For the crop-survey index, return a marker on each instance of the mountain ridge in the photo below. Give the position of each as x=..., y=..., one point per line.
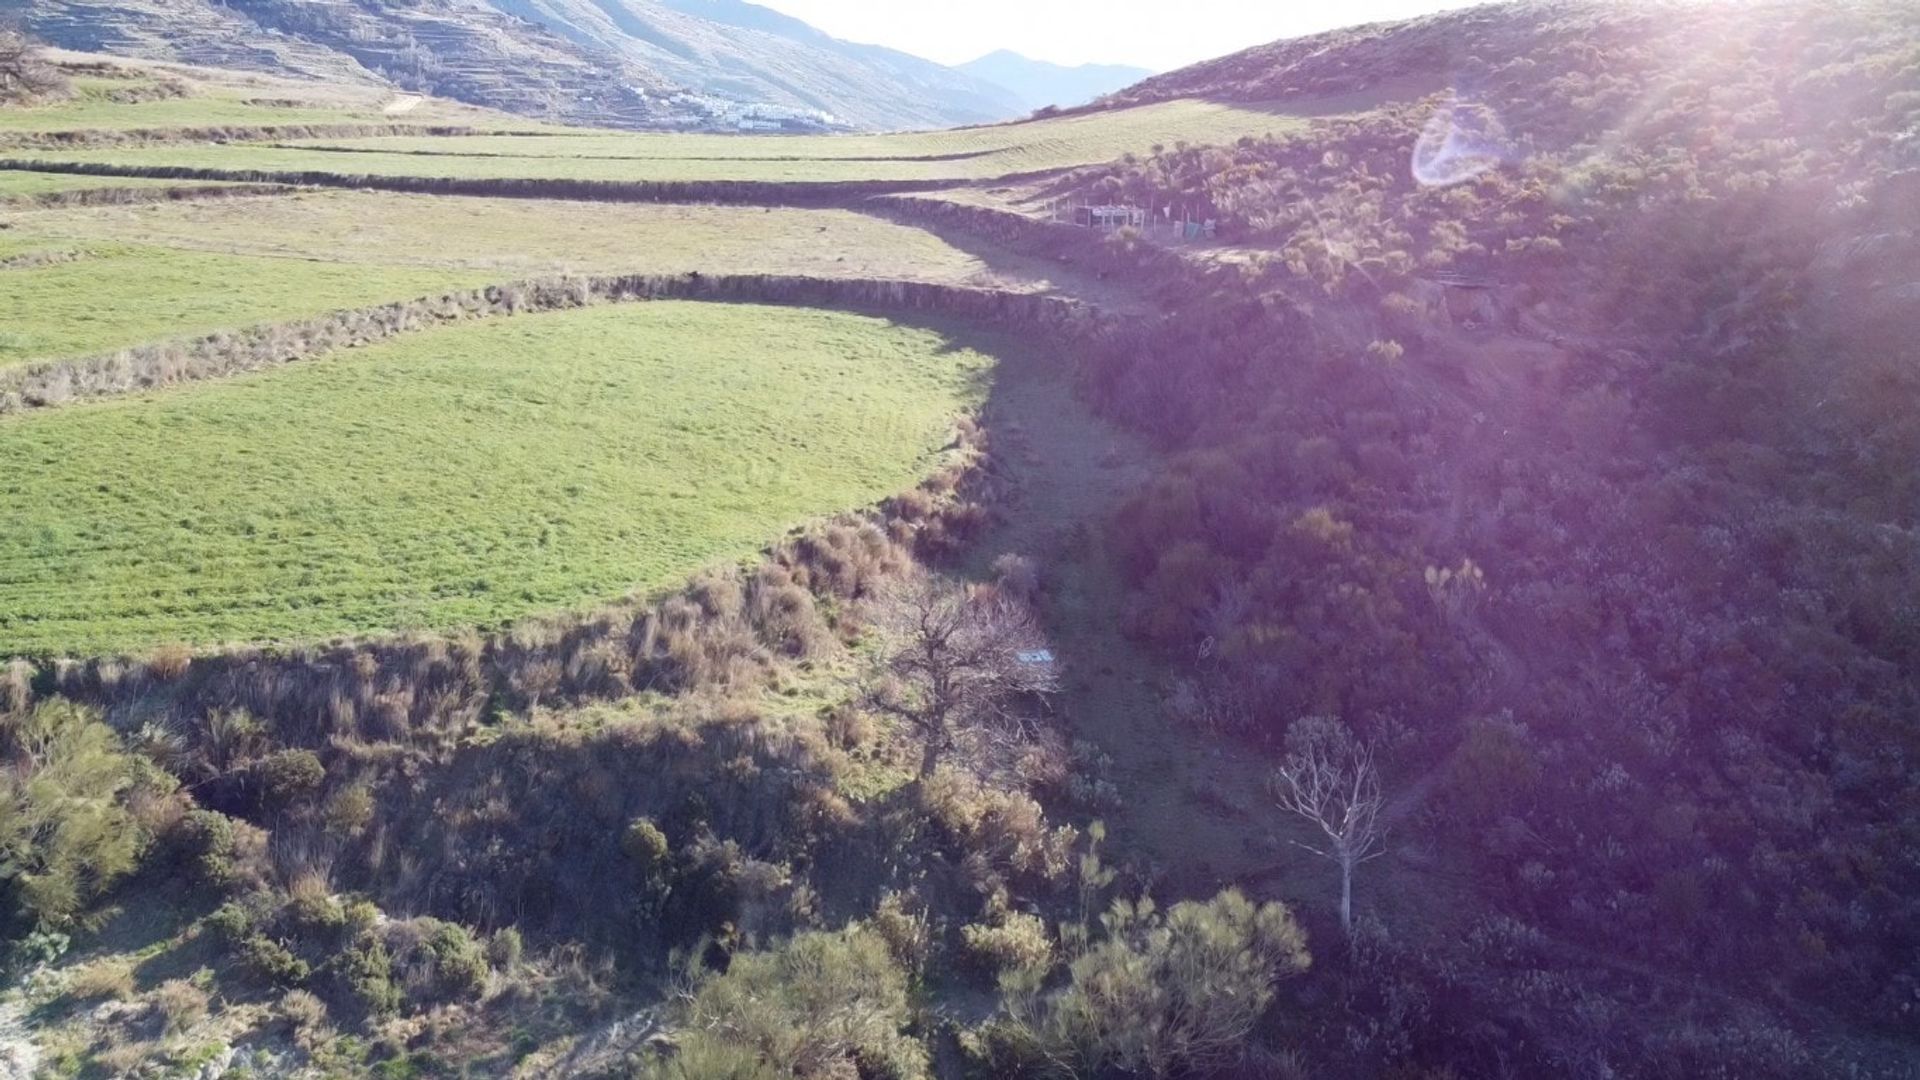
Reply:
x=1040, y=83
x=686, y=64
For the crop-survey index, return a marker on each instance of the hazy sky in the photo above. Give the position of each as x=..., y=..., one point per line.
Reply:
x=1156, y=35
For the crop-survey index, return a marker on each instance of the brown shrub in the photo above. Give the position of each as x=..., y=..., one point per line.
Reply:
x=306, y=1014
x=109, y=978
x=169, y=662
x=849, y=728
x=784, y=614
x=16, y=688
x=180, y=1004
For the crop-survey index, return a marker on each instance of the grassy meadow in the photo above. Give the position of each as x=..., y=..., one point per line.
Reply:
x=17, y=184
x=92, y=107
x=958, y=155
x=140, y=96
x=116, y=295
x=517, y=238
x=463, y=476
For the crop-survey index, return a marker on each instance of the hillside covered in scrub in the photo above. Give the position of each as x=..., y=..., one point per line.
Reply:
x=481, y=598
x=1581, y=483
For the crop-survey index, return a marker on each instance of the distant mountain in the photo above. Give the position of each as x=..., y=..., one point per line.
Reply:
x=632, y=63
x=752, y=53
x=1038, y=84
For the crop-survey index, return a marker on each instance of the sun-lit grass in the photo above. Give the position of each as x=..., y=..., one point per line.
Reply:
x=518, y=238
x=464, y=476
x=122, y=295
x=214, y=99
x=90, y=108
x=983, y=153
x=1070, y=138
x=23, y=185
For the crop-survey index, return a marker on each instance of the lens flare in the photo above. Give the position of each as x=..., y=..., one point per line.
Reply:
x=1462, y=140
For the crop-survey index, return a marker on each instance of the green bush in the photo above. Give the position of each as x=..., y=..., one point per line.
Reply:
x=363, y=974
x=204, y=843
x=1161, y=994
x=1019, y=943
x=459, y=962
x=316, y=913
x=504, y=950
x=349, y=810
x=646, y=845
x=272, y=961
x=821, y=1005
x=66, y=834
x=288, y=777
x=232, y=922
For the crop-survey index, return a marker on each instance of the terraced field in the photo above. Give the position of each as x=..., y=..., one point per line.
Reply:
x=97, y=297
x=463, y=476
x=469, y=475
x=958, y=155
x=15, y=184
x=516, y=238
x=151, y=97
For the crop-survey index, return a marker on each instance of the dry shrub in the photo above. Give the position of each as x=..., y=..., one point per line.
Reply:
x=306, y=1014
x=169, y=662
x=599, y=667
x=845, y=560
x=902, y=921
x=784, y=614
x=1006, y=829
x=912, y=506
x=849, y=728
x=303, y=861
x=1018, y=942
x=180, y=1004
x=109, y=978
x=1018, y=577
x=16, y=688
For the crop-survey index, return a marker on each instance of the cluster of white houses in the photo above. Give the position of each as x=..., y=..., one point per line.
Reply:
x=705, y=112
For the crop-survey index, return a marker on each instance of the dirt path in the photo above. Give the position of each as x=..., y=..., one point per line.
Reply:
x=1193, y=807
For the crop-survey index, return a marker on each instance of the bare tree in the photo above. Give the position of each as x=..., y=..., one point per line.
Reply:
x=951, y=656
x=1329, y=779
x=24, y=70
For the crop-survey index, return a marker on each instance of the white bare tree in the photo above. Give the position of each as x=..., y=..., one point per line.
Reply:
x=951, y=656
x=1329, y=778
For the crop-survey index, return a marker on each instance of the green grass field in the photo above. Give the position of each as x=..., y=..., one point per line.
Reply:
x=517, y=238
x=25, y=185
x=464, y=476
x=983, y=153
x=220, y=99
x=122, y=295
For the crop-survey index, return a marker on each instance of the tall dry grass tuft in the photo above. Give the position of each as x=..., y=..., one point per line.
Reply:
x=169, y=662
x=16, y=688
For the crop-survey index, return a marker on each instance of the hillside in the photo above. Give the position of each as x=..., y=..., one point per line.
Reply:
x=1569, y=464
x=1038, y=84
x=631, y=63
